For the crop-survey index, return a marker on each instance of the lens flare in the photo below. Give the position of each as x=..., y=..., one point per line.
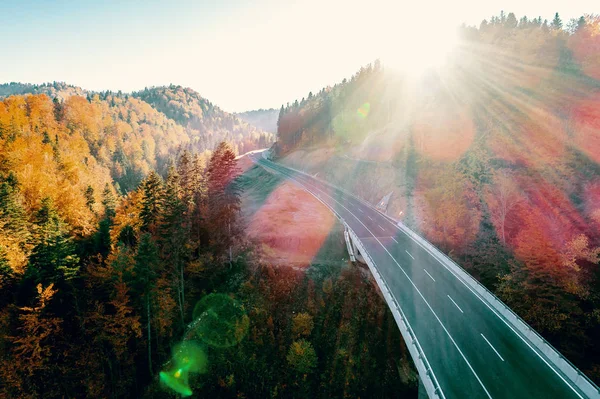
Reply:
x=222, y=321
x=363, y=111
x=188, y=357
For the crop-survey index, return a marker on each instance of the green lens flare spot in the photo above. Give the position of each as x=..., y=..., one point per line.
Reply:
x=189, y=356
x=364, y=110
x=177, y=381
x=221, y=321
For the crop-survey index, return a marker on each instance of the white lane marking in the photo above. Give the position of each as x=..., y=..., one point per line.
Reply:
x=394, y=240
x=469, y=288
x=409, y=254
x=429, y=275
x=369, y=217
x=415, y=338
x=420, y=294
x=486, y=340
x=381, y=228
x=500, y=317
x=455, y=304
x=360, y=210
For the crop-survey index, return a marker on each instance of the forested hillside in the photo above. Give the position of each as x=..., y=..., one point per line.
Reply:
x=123, y=133
x=122, y=257
x=205, y=123
x=53, y=90
x=495, y=158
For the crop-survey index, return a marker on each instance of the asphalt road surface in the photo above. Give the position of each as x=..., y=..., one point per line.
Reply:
x=472, y=351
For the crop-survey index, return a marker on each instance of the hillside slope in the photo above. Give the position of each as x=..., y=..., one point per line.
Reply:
x=58, y=90
x=206, y=124
x=495, y=158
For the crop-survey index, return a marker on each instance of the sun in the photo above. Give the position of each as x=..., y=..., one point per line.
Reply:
x=420, y=52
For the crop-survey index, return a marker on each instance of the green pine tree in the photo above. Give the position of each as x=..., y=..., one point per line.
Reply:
x=13, y=218
x=556, y=22
x=53, y=258
x=175, y=230
x=109, y=202
x=146, y=272
x=90, y=201
x=152, y=188
x=6, y=272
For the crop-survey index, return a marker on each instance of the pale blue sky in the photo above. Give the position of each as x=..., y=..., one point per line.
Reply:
x=239, y=54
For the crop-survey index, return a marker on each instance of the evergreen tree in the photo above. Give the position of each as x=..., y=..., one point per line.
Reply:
x=102, y=238
x=280, y=117
x=46, y=138
x=109, y=202
x=59, y=110
x=580, y=23
x=198, y=208
x=56, y=149
x=223, y=197
x=6, y=273
x=174, y=235
x=128, y=237
x=511, y=21
x=185, y=176
x=146, y=272
x=90, y=201
x=152, y=188
x=13, y=219
x=53, y=258
x=523, y=23
x=556, y=22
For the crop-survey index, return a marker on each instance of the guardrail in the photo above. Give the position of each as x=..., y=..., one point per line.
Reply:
x=430, y=383
x=414, y=347
x=565, y=368
x=569, y=370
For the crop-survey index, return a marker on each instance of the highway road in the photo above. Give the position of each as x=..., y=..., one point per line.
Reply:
x=473, y=352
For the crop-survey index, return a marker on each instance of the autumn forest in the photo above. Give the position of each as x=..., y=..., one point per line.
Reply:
x=121, y=235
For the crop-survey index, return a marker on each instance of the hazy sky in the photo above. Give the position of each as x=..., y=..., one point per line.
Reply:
x=241, y=55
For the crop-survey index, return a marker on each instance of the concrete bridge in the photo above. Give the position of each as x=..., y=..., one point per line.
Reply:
x=464, y=341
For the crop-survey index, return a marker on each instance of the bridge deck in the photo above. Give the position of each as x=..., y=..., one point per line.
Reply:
x=473, y=352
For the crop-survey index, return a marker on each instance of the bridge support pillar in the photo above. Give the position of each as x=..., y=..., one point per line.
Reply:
x=357, y=255
x=422, y=391
x=351, y=249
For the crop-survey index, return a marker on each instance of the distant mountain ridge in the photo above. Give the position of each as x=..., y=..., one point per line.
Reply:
x=59, y=90
x=204, y=120
x=205, y=123
x=265, y=119
x=128, y=134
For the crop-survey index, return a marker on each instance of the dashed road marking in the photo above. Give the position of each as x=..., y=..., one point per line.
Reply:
x=429, y=275
x=455, y=304
x=486, y=340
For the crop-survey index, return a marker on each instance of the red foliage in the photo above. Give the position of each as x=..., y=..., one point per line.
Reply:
x=586, y=118
x=543, y=226
x=535, y=141
x=585, y=45
x=448, y=209
x=592, y=204
x=443, y=136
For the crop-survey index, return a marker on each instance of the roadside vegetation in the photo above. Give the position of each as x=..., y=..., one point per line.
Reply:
x=494, y=158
